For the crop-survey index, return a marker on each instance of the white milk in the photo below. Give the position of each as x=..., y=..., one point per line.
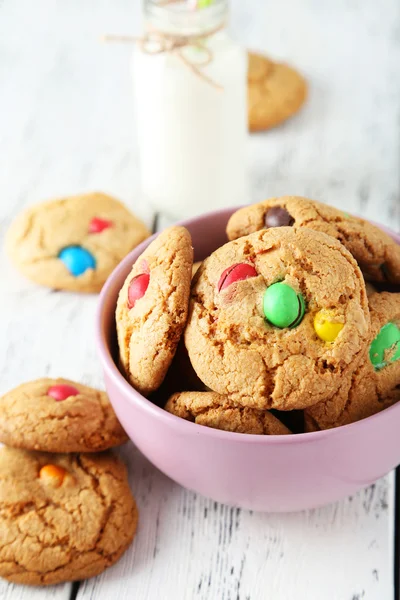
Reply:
x=191, y=135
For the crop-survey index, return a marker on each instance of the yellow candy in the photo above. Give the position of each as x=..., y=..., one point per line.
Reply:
x=326, y=328
x=52, y=474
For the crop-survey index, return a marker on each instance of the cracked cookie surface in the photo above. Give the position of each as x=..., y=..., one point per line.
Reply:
x=98, y=227
x=59, y=415
x=236, y=352
x=370, y=389
x=63, y=517
x=212, y=410
x=275, y=92
x=152, y=308
x=377, y=254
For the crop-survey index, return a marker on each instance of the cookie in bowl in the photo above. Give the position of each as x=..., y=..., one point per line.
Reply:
x=376, y=252
x=278, y=319
x=212, y=410
x=375, y=384
x=152, y=308
x=73, y=243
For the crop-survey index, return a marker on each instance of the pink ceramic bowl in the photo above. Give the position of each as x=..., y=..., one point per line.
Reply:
x=263, y=473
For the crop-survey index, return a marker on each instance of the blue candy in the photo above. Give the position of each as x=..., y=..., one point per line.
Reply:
x=77, y=260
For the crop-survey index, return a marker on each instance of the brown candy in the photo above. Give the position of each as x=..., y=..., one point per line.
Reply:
x=277, y=216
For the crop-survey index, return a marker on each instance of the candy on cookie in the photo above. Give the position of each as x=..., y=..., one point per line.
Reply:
x=254, y=305
x=375, y=383
x=74, y=243
x=213, y=410
x=63, y=517
x=152, y=308
x=376, y=253
x=58, y=415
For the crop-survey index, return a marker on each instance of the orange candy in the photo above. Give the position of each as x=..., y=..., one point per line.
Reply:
x=52, y=474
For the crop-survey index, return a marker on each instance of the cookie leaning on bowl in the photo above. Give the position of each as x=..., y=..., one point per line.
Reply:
x=63, y=517
x=212, y=410
x=256, y=330
x=59, y=415
x=73, y=243
x=376, y=253
x=375, y=384
x=152, y=308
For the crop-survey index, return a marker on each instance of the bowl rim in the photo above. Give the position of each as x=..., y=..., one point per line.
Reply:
x=143, y=403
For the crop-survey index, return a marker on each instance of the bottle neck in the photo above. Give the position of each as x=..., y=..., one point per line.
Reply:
x=182, y=18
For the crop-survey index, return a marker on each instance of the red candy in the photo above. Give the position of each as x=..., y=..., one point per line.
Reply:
x=235, y=273
x=137, y=288
x=98, y=225
x=62, y=392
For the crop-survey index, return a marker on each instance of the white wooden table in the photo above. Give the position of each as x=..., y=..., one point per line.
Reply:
x=65, y=127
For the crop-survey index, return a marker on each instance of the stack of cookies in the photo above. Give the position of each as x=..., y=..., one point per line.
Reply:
x=66, y=510
x=276, y=332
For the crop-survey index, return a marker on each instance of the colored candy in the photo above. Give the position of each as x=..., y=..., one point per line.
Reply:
x=97, y=225
x=234, y=273
x=62, y=391
x=325, y=325
x=52, y=474
x=283, y=307
x=137, y=288
x=385, y=348
x=278, y=217
x=77, y=260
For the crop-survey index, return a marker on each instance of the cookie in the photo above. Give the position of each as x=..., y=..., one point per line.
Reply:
x=375, y=384
x=59, y=415
x=73, y=243
x=152, y=308
x=275, y=92
x=212, y=410
x=376, y=253
x=277, y=319
x=63, y=517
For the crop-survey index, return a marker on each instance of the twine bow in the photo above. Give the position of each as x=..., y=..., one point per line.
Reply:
x=158, y=42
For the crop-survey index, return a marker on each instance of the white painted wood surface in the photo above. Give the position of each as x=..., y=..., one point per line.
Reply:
x=66, y=126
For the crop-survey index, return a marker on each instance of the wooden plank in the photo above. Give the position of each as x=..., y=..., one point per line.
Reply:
x=188, y=546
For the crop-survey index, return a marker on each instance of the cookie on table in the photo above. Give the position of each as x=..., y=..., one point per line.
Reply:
x=376, y=253
x=74, y=243
x=375, y=385
x=212, y=410
x=63, y=517
x=152, y=308
x=59, y=415
x=275, y=92
x=277, y=319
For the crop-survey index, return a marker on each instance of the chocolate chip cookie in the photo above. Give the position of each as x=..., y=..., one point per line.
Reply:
x=63, y=517
x=152, y=308
x=376, y=253
x=74, y=243
x=278, y=319
x=59, y=415
x=212, y=410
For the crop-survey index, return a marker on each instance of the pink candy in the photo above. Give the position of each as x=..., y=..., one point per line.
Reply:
x=235, y=273
x=62, y=391
x=137, y=288
x=97, y=225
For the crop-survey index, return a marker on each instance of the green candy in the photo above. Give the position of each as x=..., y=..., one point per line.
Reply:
x=283, y=307
x=204, y=3
x=387, y=340
x=346, y=215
